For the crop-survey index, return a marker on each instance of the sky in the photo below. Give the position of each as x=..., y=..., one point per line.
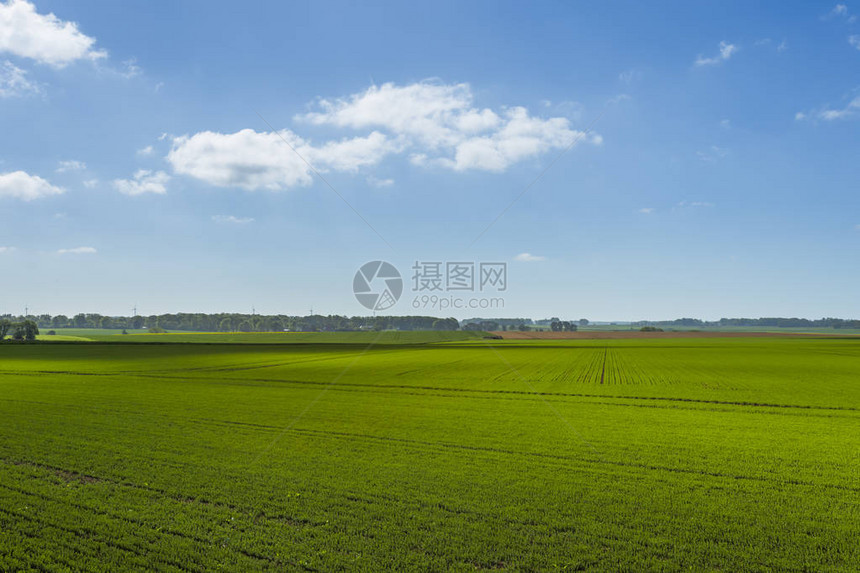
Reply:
x=624, y=160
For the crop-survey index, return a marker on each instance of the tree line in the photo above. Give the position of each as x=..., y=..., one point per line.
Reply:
x=22, y=326
x=23, y=331
x=767, y=322
x=237, y=322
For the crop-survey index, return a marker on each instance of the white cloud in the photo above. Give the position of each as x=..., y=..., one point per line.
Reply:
x=144, y=181
x=617, y=99
x=434, y=114
x=21, y=185
x=520, y=137
x=443, y=127
x=695, y=204
x=854, y=41
x=832, y=114
x=781, y=47
x=349, y=154
x=91, y=183
x=253, y=160
x=437, y=124
x=725, y=124
x=629, y=76
x=529, y=258
x=130, y=69
x=245, y=159
x=726, y=52
x=77, y=251
x=6, y=249
x=70, y=165
x=646, y=210
x=43, y=37
x=14, y=82
x=840, y=11
x=232, y=219
x=379, y=183
x=713, y=154
x=146, y=150
x=850, y=111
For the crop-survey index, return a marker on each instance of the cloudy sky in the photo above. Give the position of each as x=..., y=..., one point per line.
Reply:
x=626, y=161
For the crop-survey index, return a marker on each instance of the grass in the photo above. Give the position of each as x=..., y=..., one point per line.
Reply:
x=670, y=455
x=88, y=332
x=362, y=337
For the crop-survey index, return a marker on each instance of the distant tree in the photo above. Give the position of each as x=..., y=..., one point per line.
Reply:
x=124, y=331
x=51, y=333
x=25, y=331
x=137, y=322
x=31, y=330
x=226, y=325
x=5, y=325
x=583, y=322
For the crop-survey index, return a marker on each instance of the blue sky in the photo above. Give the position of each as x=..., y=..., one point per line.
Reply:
x=146, y=155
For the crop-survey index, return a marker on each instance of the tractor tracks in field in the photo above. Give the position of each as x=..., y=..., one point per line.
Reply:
x=461, y=391
x=568, y=461
x=141, y=523
x=603, y=365
x=443, y=391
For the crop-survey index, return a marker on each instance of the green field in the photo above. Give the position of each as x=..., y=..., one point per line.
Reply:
x=412, y=453
x=87, y=332
x=357, y=337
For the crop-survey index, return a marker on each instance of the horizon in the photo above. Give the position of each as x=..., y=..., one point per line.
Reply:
x=621, y=164
x=532, y=319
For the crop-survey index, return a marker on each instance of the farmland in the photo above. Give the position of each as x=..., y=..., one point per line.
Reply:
x=436, y=451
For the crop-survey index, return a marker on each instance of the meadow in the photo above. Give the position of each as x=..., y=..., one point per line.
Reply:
x=406, y=451
x=354, y=337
